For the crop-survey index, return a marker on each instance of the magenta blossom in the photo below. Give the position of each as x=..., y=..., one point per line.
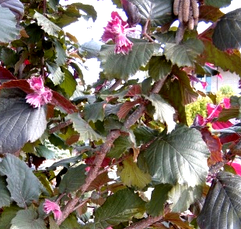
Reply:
x=116, y=30
x=41, y=94
x=50, y=206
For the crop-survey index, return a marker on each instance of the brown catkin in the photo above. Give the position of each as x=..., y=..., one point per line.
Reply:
x=195, y=9
x=180, y=18
x=191, y=23
x=185, y=10
x=176, y=7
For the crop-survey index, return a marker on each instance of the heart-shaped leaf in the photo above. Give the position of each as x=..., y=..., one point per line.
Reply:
x=223, y=203
x=23, y=185
x=170, y=162
x=227, y=33
x=19, y=121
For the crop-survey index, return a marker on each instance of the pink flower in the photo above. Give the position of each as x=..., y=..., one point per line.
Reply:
x=50, y=206
x=41, y=94
x=36, y=83
x=116, y=30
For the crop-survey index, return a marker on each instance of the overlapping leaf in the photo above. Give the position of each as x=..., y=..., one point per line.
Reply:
x=170, y=162
x=95, y=111
x=223, y=203
x=19, y=121
x=182, y=196
x=183, y=54
x=5, y=198
x=227, y=33
x=27, y=219
x=159, y=67
x=218, y=4
x=8, y=28
x=48, y=26
x=122, y=66
x=73, y=179
x=155, y=11
x=83, y=128
x=120, y=207
x=163, y=111
x=221, y=59
x=132, y=176
x=23, y=185
x=7, y=215
x=158, y=200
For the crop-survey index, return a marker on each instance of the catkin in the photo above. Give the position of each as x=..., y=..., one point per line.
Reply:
x=176, y=4
x=187, y=12
x=195, y=9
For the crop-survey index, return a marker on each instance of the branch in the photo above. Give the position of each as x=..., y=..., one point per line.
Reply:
x=158, y=85
x=71, y=205
x=134, y=116
x=145, y=223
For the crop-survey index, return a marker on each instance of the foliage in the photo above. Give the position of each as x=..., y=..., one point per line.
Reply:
x=142, y=153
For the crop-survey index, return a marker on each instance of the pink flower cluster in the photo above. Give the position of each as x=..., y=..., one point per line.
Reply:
x=41, y=94
x=116, y=30
x=50, y=206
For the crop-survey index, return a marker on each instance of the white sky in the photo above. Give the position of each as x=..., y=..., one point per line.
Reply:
x=85, y=31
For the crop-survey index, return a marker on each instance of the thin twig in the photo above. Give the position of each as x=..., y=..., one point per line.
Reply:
x=60, y=126
x=145, y=223
x=92, y=174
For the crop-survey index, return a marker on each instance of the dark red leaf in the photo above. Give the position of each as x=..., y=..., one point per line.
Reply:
x=132, y=13
x=134, y=90
x=21, y=84
x=6, y=75
x=61, y=101
x=126, y=107
x=214, y=145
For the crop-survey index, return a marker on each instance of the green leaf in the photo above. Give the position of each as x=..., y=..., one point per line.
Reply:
x=183, y=54
x=45, y=152
x=69, y=83
x=227, y=32
x=218, y=4
x=27, y=219
x=5, y=198
x=73, y=179
x=122, y=66
x=8, y=25
x=83, y=128
x=8, y=56
x=60, y=53
x=23, y=185
x=158, y=12
x=158, y=200
x=228, y=62
x=88, y=9
x=120, y=146
x=210, y=13
x=223, y=203
x=48, y=26
x=163, y=111
x=65, y=162
x=179, y=157
x=7, y=215
x=144, y=134
x=182, y=196
x=132, y=176
x=159, y=67
x=120, y=207
x=57, y=76
x=19, y=121
x=70, y=223
x=94, y=111
x=53, y=224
